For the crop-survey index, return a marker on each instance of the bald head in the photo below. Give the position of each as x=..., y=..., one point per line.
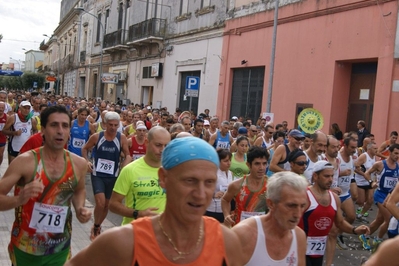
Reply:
x=156, y=131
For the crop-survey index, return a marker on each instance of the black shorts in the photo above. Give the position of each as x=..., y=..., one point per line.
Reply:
x=103, y=185
x=310, y=261
x=11, y=151
x=365, y=187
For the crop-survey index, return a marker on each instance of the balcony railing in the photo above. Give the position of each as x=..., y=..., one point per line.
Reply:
x=115, y=38
x=154, y=27
x=43, y=46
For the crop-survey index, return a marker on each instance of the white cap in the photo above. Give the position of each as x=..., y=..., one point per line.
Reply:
x=25, y=103
x=234, y=118
x=206, y=123
x=140, y=125
x=322, y=165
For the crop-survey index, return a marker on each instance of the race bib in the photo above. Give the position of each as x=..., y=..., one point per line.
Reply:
x=222, y=145
x=344, y=181
x=105, y=166
x=48, y=218
x=246, y=215
x=390, y=182
x=24, y=129
x=2, y=126
x=78, y=143
x=316, y=245
x=223, y=188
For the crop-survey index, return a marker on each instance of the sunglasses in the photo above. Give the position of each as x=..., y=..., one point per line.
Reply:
x=254, y=131
x=298, y=139
x=301, y=163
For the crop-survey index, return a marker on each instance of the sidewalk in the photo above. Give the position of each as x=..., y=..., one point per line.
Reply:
x=80, y=232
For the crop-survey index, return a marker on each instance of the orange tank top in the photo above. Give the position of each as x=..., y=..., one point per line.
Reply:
x=147, y=252
x=43, y=225
x=250, y=203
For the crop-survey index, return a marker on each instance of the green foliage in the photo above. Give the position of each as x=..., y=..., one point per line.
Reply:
x=22, y=83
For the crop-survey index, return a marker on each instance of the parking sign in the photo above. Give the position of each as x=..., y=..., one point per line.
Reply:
x=192, y=86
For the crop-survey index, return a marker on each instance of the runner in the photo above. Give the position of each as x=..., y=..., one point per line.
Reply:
x=383, y=150
x=137, y=143
x=137, y=183
x=222, y=139
x=248, y=192
x=286, y=198
x=47, y=180
x=3, y=137
x=181, y=234
x=322, y=210
x=313, y=153
x=80, y=132
x=108, y=146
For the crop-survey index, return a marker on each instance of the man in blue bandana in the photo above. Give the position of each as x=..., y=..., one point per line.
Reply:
x=181, y=234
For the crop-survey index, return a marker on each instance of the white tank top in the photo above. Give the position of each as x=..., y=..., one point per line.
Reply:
x=309, y=167
x=360, y=180
x=261, y=256
x=26, y=130
x=344, y=182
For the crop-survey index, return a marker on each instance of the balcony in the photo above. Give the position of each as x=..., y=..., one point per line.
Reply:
x=152, y=30
x=43, y=46
x=115, y=40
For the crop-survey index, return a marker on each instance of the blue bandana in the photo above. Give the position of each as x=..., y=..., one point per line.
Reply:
x=182, y=150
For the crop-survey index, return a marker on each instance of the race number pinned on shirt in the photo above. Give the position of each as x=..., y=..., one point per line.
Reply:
x=48, y=218
x=245, y=215
x=105, y=166
x=223, y=188
x=223, y=145
x=316, y=245
x=390, y=182
x=78, y=143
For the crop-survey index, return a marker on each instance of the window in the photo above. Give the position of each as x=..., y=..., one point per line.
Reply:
x=205, y=3
x=147, y=72
x=106, y=19
x=98, y=28
x=120, y=16
x=183, y=7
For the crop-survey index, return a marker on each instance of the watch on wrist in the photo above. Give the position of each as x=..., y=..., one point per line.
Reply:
x=135, y=214
x=353, y=230
x=370, y=181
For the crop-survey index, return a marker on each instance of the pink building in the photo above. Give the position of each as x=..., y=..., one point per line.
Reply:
x=337, y=56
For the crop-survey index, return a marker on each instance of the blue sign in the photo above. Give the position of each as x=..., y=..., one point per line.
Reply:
x=192, y=86
x=35, y=84
x=15, y=73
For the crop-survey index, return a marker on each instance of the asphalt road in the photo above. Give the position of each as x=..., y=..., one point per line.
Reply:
x=342, y=257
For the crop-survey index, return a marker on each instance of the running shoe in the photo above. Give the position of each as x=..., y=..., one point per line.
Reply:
x=365, y=242
x=359, y=210
x=363, y=260
x=376, y=244
x=366, y=214
x=340, y=243
x=95, y=231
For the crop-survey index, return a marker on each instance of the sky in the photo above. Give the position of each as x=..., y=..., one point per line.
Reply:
x=23, y=23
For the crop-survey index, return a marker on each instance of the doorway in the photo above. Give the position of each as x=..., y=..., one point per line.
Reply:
x=82, y=83
x=146, y=98
x=184, y=102
x=361, y=95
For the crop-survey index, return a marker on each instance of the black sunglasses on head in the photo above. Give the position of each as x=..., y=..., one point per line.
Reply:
x=301, y=163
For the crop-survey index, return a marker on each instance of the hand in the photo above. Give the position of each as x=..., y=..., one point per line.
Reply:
x=219, y=195
x=362, y=229
x=30, y=190
x=346, y=172
x=374, y=184
x=228, y=221
x=336, y=190
x=89, y=167
x=83, y=214
x=18, y=132
x=148, y=212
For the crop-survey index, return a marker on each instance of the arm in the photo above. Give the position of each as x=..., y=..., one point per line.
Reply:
x=233, y=147
x=88, y=146
x=79, y=195
x=112, y=244
x=232, y=190
x=346, y=227
x=233, y=247
x=301, y=244
x=377, y=167
x=381, y=149
x=212, y=139
x=125, y=150
x=258, y=142
x=391, y=202
x=126, y=130
x=386, y=254
x=7, y=127
x=20, y=168
x=361, y=160
x=34, y=125
x=277, y=157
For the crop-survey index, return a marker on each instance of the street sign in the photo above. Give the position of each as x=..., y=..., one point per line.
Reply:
x=51, y=79
x=14, y=73
x=35, y=85
x=192, y=86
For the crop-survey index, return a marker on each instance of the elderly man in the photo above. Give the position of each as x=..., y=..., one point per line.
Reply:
x=286, y=198
x=108, y=146
x=181, y=234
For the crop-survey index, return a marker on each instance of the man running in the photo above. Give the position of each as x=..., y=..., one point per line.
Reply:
x=47, y=180
x=313, y=153
x=137, y=183
x=80, y=132
x=137, y=143
x=108, y=146
x=286, y=198
x=3, y=137
x=280, y=157
x=181, y=234
x=249, y=191
x=222, y=139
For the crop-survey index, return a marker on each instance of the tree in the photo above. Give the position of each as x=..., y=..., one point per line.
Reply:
x=28, y=79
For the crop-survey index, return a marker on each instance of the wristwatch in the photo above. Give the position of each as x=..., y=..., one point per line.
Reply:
x=135, y=214
x=370, y=181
